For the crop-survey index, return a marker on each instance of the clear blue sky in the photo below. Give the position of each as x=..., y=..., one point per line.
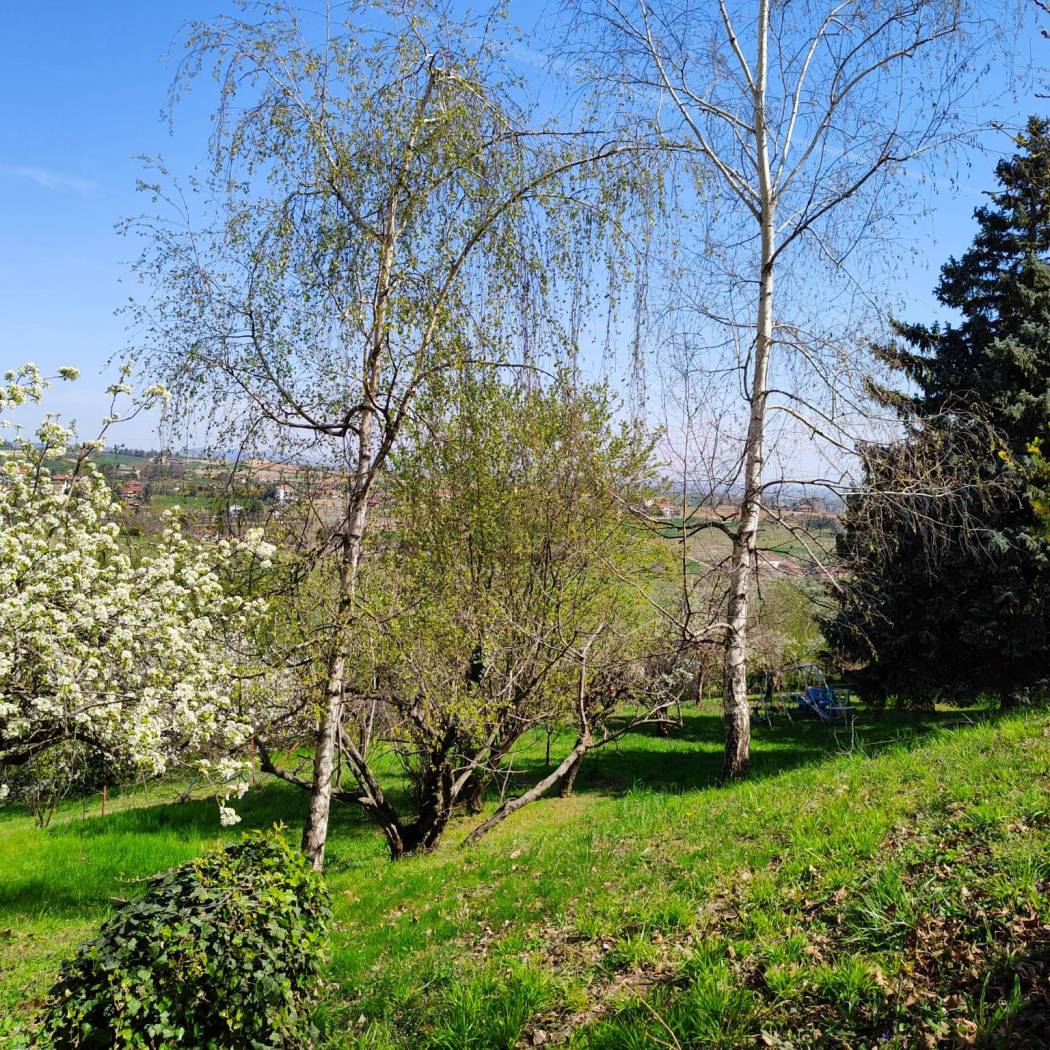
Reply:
x=82, y=86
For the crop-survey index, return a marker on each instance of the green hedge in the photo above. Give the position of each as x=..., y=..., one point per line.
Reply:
x=222, y=952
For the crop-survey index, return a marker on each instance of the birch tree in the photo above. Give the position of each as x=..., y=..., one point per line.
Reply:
x=799, y=122
x=380, y=210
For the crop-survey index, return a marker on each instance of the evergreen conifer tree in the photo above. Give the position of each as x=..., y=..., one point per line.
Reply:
x=949, y=596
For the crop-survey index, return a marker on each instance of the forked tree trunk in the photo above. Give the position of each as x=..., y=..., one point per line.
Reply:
x=425, y=831
x=417, y=836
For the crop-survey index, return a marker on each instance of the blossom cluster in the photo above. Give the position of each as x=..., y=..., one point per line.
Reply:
x=140, y=654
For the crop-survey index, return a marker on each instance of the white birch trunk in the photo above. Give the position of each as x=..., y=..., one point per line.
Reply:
x=736, y=710
x=315, y=830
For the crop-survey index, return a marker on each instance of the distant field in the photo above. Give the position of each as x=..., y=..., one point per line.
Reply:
x=120, y=459
x=801, y=539
x=841, y=900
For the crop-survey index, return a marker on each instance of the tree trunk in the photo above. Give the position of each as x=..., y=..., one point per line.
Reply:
x=395, y=839
x=315, y=831
x=473, y=792
x=736, y=709
x=535, y=792
x=435, y=809
x=569, y=781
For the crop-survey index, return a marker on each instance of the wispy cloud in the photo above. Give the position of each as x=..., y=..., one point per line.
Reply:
x=50, y=180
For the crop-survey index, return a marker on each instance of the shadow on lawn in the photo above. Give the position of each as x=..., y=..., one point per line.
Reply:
x=87, y=860
x=151, y=837
x=689, y=757
x=271, y=802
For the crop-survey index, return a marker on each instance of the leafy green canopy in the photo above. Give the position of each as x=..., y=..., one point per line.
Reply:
x=507, y=559
x=515, y=543
x=949, y=590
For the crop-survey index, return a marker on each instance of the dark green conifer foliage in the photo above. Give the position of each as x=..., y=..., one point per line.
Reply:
x=950, y=597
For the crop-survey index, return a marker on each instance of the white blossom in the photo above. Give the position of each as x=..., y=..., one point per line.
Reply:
x=141, y=659
x=228, y=817
x=156, y=392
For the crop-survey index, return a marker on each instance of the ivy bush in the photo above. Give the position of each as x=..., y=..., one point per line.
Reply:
x=222, y=952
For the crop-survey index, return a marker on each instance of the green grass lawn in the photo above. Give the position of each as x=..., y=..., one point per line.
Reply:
x=891, y=896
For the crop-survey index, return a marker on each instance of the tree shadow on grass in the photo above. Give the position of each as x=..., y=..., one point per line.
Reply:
x=680, y=758
x=689, y=757
x=86, y=861
x=197, y=818
x=92, y=854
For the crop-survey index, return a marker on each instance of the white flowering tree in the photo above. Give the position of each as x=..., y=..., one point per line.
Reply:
x=141, y=659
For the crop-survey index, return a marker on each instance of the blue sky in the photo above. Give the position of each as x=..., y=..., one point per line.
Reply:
x=82, y=87
x=81, y=91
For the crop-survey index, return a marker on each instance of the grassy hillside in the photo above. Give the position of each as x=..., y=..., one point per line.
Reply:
x=892, y=896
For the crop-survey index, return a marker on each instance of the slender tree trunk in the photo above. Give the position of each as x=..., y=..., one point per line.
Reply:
x=737, y=711
x=315, y=831
x=735, y=704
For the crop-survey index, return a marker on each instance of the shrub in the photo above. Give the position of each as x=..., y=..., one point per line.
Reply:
x=69, y=769
x=221, y=952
